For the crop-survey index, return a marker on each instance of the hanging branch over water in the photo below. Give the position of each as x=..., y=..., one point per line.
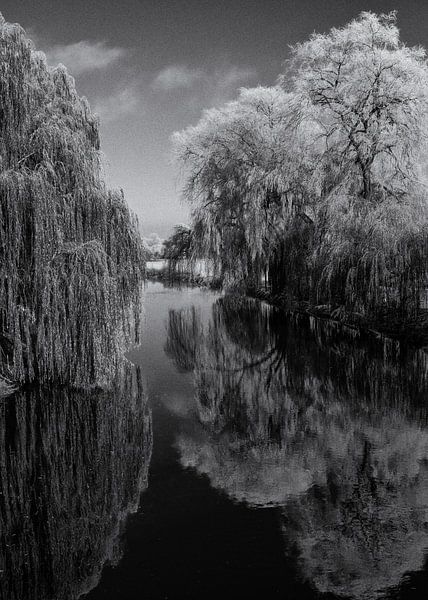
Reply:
x=320, y=182
x=71, y=259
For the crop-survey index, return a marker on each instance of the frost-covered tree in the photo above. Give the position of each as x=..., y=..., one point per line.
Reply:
x=71, y=258
x=320, y=181
x=363, y=94
x=239, y=168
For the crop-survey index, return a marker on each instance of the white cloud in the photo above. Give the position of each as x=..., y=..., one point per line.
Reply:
x=233, y=76
x=210, y=87
x=223, y=83
x=176, y=76
x=84, y=57
x=124, y=102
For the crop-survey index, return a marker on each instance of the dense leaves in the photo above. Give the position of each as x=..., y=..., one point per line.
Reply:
x=319, y=183
x=71, y=258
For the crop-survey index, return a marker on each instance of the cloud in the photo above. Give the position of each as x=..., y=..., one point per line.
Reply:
x=176, y=76
x=210, y=86
x=233, y=76
x=84, y=57
x=223, y=83
x=123, y=102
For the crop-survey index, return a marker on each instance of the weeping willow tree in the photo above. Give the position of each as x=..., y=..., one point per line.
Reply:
x=234, y=160
x=330, y=429
x=71, y=259
x=178, y=251
x=319, y=183
x=365, y=96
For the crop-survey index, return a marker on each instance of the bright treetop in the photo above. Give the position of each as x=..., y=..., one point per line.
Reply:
x=70, y=254
x=320, y=181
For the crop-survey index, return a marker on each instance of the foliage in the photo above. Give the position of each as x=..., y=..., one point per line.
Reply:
x=234, y=156
x=179, y=248
x=179, y=245
x=6, y=388
x=71, y=258
x=154, y=246
x=319, y=183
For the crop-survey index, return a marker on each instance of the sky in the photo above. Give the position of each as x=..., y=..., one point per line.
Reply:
x=150, y=67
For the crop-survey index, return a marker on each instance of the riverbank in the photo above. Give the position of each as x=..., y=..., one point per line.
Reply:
x=412, y=331
x=198, y=277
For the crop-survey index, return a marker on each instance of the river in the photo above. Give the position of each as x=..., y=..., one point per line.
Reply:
x=259, y=456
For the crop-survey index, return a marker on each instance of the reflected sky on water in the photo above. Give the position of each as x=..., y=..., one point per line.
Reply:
x=289, y=460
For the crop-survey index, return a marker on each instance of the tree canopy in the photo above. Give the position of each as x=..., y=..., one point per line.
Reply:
x=320, y=180
x=71, y=258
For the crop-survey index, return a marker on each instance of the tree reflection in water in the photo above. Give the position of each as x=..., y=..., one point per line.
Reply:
x=328, y=426
x=72, y=467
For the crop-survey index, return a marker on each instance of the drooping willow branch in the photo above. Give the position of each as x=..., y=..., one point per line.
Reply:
x=71, y=258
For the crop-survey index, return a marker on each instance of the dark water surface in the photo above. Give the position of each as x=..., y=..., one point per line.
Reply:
x=280, y=458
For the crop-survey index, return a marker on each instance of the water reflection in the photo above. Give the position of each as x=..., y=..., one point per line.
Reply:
x=327, y=426
x=72, y=467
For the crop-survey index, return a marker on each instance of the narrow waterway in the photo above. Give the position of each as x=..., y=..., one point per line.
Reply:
x=269, y=456
x=290, y=460
x=183, y=543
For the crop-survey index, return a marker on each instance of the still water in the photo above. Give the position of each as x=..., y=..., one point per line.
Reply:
x=259, y=456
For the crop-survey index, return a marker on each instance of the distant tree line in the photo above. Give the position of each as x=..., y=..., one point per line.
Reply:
x=318, y=184
x=154, y=246
x=178, y=246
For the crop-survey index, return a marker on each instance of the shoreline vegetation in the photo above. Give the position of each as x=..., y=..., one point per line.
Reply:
x=413, y=331
x=319, y=183
x=71, y=256
x=310, y=194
